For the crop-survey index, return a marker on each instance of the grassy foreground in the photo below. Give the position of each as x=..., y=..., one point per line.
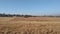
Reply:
x=32, y=25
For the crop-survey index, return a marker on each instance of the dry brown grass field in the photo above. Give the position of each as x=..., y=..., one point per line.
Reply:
x=31, y=25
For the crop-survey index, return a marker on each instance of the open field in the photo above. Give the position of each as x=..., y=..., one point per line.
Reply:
x=31, y=25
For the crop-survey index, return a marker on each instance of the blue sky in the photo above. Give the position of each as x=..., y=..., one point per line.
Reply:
x=30, y=7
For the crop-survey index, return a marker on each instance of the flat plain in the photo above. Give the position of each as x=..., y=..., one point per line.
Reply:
x=30, y=25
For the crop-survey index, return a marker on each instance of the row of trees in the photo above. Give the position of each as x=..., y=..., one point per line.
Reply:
x=14, y=15
x=18, y=15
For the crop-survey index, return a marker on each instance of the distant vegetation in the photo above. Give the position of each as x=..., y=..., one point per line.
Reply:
x=18, y=15
x=15, y=15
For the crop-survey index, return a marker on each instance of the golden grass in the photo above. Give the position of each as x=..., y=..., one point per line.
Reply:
x=32, y=25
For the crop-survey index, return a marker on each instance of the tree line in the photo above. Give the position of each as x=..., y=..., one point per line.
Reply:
x=15, y=15
x=18, y=15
